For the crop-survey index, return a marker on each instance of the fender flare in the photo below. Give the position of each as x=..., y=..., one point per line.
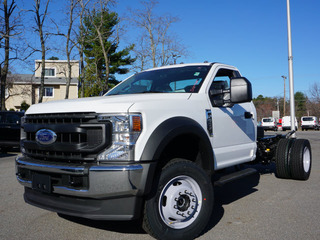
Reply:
x=172, y=128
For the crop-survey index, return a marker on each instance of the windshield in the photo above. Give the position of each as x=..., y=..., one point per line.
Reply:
x=307, y=119
x=168, y=80
x=267, y=120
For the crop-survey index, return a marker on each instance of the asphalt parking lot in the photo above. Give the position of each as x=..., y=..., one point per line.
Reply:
x=256, y=207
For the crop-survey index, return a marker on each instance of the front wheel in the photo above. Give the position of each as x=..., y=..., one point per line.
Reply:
x=182, y=204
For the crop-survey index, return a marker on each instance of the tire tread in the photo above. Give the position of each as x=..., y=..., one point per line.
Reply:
x=283, y=158
x=296, y=166
x=191, y=233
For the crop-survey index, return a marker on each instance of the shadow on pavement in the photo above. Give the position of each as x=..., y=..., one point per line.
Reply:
x=229, y=193
x=132, y=227
x=11, y=154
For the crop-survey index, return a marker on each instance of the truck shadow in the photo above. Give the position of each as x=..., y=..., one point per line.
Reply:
x=233, y=191
x=224, y=195
x=132, y=227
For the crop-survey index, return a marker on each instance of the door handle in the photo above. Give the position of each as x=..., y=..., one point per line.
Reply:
x=248, y=115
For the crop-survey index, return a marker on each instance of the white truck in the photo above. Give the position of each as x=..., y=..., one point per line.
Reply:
x=309, y=122
x=269, y=124
x=149, y=147
x=286, y=123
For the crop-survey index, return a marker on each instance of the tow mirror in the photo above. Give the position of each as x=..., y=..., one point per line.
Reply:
x=219, y=93
x=241, y=90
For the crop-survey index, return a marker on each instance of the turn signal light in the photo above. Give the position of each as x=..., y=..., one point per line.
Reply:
x=136, y=124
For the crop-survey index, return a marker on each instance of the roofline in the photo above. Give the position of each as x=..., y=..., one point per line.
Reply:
x=53, y=61
x=45, y=84
x=180, y=65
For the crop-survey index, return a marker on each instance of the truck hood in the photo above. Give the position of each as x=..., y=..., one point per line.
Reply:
x=106, y=104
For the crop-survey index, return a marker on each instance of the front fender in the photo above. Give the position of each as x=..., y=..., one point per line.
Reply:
x=172, y=128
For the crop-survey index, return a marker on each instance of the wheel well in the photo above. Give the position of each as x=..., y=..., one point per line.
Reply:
x=189, y=147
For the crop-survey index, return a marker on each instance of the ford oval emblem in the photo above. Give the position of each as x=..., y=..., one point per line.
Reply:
x=46, y=136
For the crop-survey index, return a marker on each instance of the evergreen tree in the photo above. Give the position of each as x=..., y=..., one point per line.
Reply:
x=300, y=104
x=101, y=51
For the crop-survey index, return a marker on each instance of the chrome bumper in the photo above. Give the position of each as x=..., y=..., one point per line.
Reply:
x=98, y=181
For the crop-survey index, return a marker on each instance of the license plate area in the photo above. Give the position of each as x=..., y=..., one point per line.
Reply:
x=41, y=182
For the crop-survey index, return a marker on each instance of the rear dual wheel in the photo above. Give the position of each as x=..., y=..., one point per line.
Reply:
x=300, y=161
x=293, y=159
x=283, y=157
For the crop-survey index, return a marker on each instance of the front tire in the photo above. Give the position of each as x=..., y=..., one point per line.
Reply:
x=182, y=204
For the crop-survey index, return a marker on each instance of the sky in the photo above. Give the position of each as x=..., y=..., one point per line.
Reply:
x=249, y=34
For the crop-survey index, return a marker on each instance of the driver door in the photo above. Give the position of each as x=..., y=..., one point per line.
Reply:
x=233, y=125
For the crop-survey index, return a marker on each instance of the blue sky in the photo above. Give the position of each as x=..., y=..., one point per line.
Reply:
x=249, y=34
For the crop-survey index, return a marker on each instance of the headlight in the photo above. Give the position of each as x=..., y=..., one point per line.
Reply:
x=126, y=131
x=23, y=134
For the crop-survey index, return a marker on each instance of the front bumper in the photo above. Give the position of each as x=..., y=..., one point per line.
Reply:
x=90, y=190
x=309, y=126
x=269, y=127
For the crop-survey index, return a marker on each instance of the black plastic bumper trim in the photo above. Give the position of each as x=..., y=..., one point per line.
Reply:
x=124, y=208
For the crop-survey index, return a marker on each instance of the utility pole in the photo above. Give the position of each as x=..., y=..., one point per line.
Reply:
x=284, y=95
x=290, y=60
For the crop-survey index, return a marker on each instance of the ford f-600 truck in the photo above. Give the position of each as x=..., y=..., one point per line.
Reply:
x=149, y=148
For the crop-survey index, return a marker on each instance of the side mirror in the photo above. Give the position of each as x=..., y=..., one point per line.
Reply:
x=240, y=90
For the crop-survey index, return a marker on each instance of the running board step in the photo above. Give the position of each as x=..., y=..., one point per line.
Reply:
x=235, y=176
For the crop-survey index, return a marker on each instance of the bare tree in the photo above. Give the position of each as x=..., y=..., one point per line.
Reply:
x=145, y=19
x=7, y=31
x=70, y=43
x=313, y=104
x=39, y=19
x=163, y=47
x=80, y=42
x=315, y=92
x=75, y=37
x=141, y=51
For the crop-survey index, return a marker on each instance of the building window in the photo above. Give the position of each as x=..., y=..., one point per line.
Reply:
x=50, y=72
x=48, y=92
